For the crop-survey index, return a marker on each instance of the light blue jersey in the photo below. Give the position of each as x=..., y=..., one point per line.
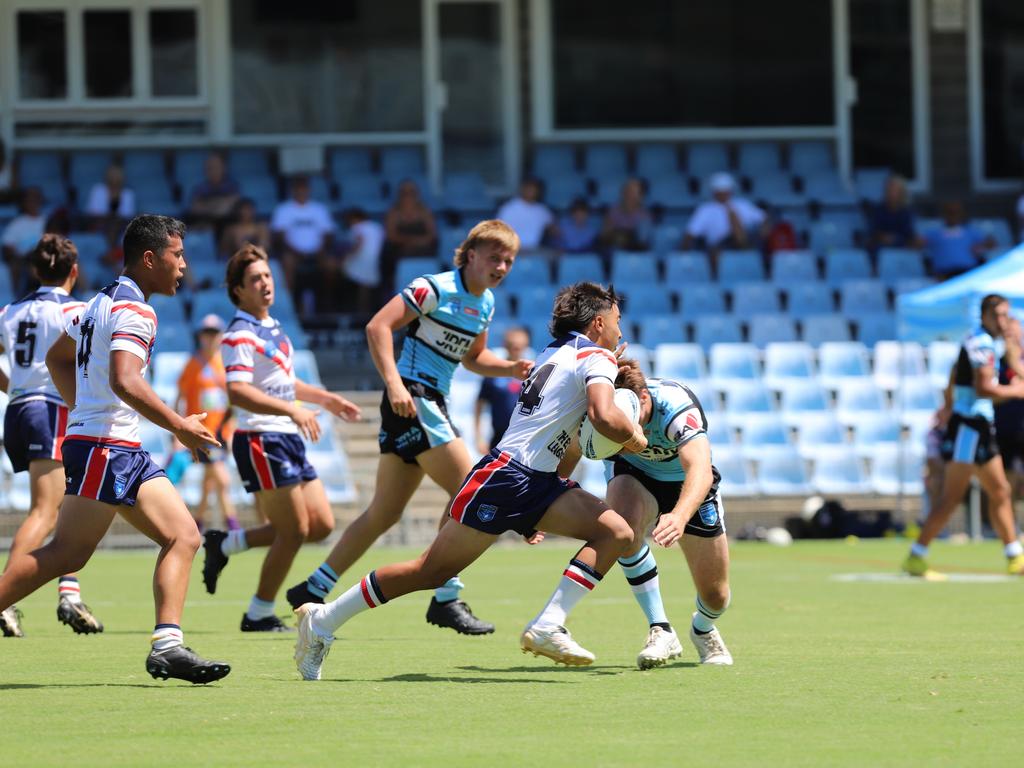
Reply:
x=676, y=419
x=977, y=351
x=448, y=319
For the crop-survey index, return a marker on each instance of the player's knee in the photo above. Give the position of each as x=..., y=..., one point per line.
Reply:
x=1000, y=492
x=189, y=539
x=620, y=532
x=320, y=528
x=716, y=597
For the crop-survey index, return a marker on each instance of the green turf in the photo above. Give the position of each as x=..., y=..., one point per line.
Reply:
x=827, y=673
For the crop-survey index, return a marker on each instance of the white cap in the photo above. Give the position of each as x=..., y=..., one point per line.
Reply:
x=721, y=182
x=212, y=322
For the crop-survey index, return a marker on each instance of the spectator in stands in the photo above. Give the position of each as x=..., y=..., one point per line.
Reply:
x=1020, y=219
x=500, y=394
x=362, y=259
x=956, y=246
x=244, y=229
x=577, y=231
x=21, y=235
x=627, y=224
x=892, y=221
x=780, y=234
x=528, y=216
x=303, y=231
x=110, y=202
x=213, y=199
x=409, y=224
x=724, y=221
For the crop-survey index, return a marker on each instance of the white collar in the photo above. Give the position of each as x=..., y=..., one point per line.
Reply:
x=268, y=322
x=51, y=289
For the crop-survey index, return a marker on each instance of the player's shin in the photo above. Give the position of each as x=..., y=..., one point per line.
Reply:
x=362, y=596
x=706, y=616
x=578, y=580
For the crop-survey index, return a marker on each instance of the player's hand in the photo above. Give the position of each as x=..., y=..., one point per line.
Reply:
x=521, y=369
x=342, y=408
x=637, y=443
x=621, y=350
x=401, y=401
x=483, y=447
x=669, y=529
x=192, y=434
x=535, y=538
x=305, y=420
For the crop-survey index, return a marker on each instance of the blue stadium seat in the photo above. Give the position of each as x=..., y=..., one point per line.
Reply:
x=409, y=269
x=643, y=356
x=895, y=362
x=740, y=267
x=737, y=480
x=561, y=189
x=856, y=397
x=672, y=192
x=608, y=190
x=819, y=329
x=528, y=272
x=828, y=189
x=706, y=394
x=941, y=357
x=553, y=159
x=263, y=192
x=200, y=246
x=874, y=430
x=170, y=310
x=188, y=168
x=207, y=271
x=396, y=161
x=758, y=158
x=704, y=159
x=998, y=230
x=602, y=160
x=37, y=168
x=787, y=361
x=793, y=266
x=743, y=398
x=729, y=362
x=540, y=336
x=749, y=299
x=153, y=194
x=86, y=169
x=911, y=284
x=631, y=267
x=467, y=192
x=644, y=299
x=899, y=263
x=657, y=161
x=141, y=165
x=800, y=397
x=341, y=161
x=573, y=267
x=362, y=190
x=771, y=328
x=319, y=188
x=661, y=329
x=244, y=162
x=423, y=183
x=896, y=470
x=863, y=297
x=720, y=433
x=915, y=399
x=448, y=240
x=823, y=236
x=763, y=434
x=809, y=157
x=534, y=300
x=682, y=362
x=714, y=329
x=838, y=470
x=683, y=268
x=870, y=183
x=175, y=337
x=842, y=361
x=666, y=238
x=213, y=301
x=816, y=431
x=807, y=299
x=91, y=246
x=782, y=473
x=875, y=327
x=701, y=301
x=776, y=189
x=842, y=264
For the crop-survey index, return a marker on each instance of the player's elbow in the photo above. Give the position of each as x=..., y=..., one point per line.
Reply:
x=234, y=394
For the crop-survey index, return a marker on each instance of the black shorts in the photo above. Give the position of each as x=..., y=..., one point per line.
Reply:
x=409, y=437
x=970, y=440
x=1012, y=449
x=707, y=522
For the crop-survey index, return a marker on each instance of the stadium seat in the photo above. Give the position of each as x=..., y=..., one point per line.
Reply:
x=244, y=162
x=842, y=264
x=153, y=194
x=857, y=397
x=561, y=189
x=897, y=361
x=602, y=160
x=809, y=157
x=448, y=240
x=899, y=263
x=736, y=267
x=737, y=480
x=661, y=329
x=897, y=470
x=188, y=168
x=409, y=269
x=816, y=431
x=37, y=168
x=552, y=159
x=863, y=297
x=682, y=362
x=264, y=193
x=86, y=169
x=782, y=473
x=362, y=190
x=800, y=397
x=213, y=301
x=342, y=161
x=838, y=470
x=528, y=271
x=758, y=158
x=573, y=267
x=683, y=268
x=824, y=236
x=819, y=329
x=608, y=190
x=744, y=398
x=762, y=434
x=875, y=327
x=665, y=237
x=643, y=356
x=720, y=433
x=141, y=165
x=842, y=361
x=869, y=183
x=732, y=362
x=319, y=188
x=206, y=271
x=672, y=192
x=998, y=230
x=776, y=189
x=704, y=159
x=631, y=267
x=788, y=361
x=705, y=394
x=941, y=357
x=828, y=189
x=91, y=246
x=466, y=192
x=169, y=309
x=534, y=300
x=916, y=398
x=656, y=161
x=873, y=430
x=714, y=329
x=793, y=266
x=749, y=299
x=804, y=299
x=397, y=161
x=176, y=337
x=771, y=328
x=200, y=246
x=911, y=284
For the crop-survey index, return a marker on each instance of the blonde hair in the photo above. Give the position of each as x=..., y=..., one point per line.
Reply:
x=489, y=232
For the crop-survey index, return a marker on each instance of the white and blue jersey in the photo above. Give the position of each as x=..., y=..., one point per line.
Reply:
x=977, y=351
x=259, y=352
x=448, y=320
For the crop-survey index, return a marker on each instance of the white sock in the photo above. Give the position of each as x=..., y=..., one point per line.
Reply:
x=67, y=587
x=357, y=598
x=234, y=543
x=921, y=550
x=577, y=580
x=704, y=619
x=167, y=636
x=260, y=609
x=1013, y=549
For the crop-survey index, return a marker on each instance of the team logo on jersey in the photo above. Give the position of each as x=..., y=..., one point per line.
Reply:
x=486, y=512
x=120, y=483
x=708, y=513
x=419, y=294
x=693, y=420
x=471, y=311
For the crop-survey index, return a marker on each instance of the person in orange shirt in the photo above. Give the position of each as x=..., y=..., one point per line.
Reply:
x=202, y=388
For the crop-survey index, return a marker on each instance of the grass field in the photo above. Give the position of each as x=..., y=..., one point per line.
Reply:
x=827, y=672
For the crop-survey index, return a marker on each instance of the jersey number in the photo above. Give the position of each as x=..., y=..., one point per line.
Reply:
x=27, y=340
x=85, y=346
x=531, y=396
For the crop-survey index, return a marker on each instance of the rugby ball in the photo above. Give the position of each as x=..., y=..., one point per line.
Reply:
x=597, y=446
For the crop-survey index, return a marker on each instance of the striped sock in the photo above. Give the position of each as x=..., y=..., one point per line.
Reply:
x=359, y=597
x=166, y=636
x=322, y=581
x=577, y=580
x=67, y=587
x=260, y=609
x=233, y=543
x=449, y=590
x=641, y=572
x=704, y=618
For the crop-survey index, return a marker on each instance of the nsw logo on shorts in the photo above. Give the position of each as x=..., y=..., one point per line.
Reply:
x=708, y=513
x=486, y=512
x=120, y=483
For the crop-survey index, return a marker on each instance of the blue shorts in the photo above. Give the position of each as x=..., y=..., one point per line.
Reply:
x=106, y=472
x=34, y=429
x=500, y=494
x=268, y=460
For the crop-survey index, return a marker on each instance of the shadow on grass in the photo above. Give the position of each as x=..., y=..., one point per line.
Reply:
x=423, y=677
x=32, y=686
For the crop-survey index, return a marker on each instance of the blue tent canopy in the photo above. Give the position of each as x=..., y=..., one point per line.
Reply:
x=948, y=310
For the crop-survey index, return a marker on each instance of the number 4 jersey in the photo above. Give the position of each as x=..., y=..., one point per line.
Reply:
x=28, y=328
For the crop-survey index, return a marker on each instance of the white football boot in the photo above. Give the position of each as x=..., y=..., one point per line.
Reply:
x=710, y=647
x=661, y=646
x=557, y=644
x=311, y=648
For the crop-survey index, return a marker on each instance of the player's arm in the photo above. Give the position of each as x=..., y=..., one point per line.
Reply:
x=986, y=384
x=393, y=316
x=248, y=397
x=5, y=381
x=478, y=414
x=60, y=362
x=695, y=458
x=128, y=383
x=329, y=401
x=480, y=360
x=610, y=420
x=573, y=454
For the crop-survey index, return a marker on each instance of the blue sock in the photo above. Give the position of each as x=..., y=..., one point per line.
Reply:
x=449, y=590
x=704, y=618
x=322, y=581
x=921, y=550
x=641, y=572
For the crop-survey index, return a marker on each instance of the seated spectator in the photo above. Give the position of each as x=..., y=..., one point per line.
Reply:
x=955, y=247
x=213, y=199
x=244, y=229
x=362, y=259
x=303, y=232
x=627, y=224
x=892, y=221
x=780, y=234
x=21, y=235
x=577, y=231
x=500, y=394
x=410, y=226
x=110, y=201
x=724, y=221
x=529, y=217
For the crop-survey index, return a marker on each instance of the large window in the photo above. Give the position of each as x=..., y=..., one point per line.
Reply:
x=108, y=54
x=1002, y=80
x=699, y=63
x=173, y=53
x=321, y=66
x=42, y=58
